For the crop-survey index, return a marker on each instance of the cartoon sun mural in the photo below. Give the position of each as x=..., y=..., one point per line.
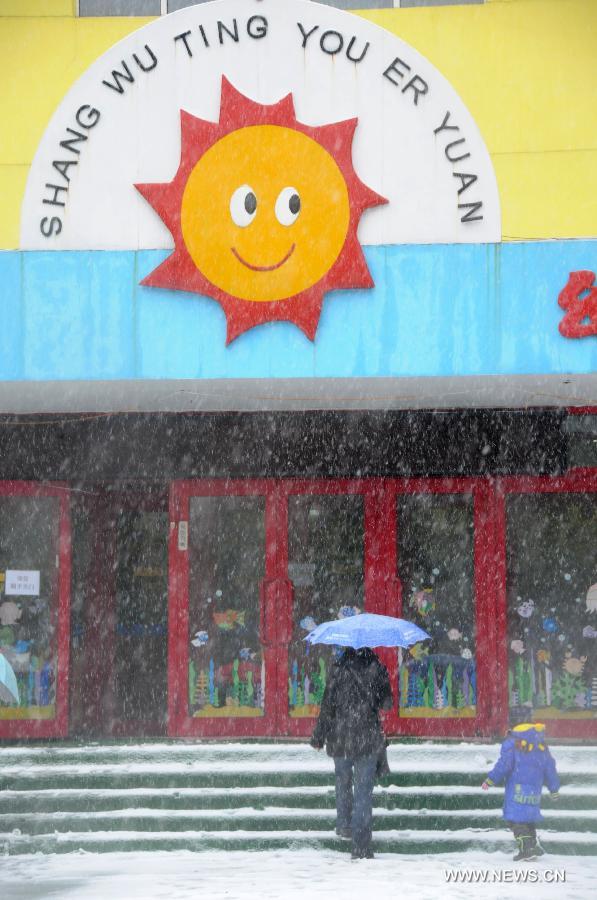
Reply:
x=264, y=213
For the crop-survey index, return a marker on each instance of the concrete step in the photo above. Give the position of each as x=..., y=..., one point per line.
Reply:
x=258, y=795
x=269, y=755
x=103, y=776
x=391, y=797
x=275, y=818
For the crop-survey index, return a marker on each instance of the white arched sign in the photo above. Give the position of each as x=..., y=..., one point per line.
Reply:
x=415, y=143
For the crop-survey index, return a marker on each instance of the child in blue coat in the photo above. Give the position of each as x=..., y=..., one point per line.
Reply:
x=525, y=764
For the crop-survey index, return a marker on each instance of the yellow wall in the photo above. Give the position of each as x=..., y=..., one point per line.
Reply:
x=40, y=58
x=525, y=69
x=38, y=7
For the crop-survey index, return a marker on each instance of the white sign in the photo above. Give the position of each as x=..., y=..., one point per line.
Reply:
x=415, y=142
x=22, y=582
x=183, y=536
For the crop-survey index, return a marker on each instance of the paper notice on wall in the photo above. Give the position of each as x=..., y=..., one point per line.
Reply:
x=22, y=582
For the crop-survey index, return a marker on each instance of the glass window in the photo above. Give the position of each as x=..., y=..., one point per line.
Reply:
x=226, y=568
x=325, y=564
x=119, y=8
x=173, y=5
x=436, y=568
x=552, y=604
x=29, y=532
x=359, y=4
x=582, y=440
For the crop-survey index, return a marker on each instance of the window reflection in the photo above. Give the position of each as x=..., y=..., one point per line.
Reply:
x=552, y=604
x=29, y=529
x=140, y=651
x=436, y=567
x=226, y=568
x=325, y=564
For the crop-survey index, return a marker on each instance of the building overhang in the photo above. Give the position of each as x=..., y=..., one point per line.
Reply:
x=295, y=394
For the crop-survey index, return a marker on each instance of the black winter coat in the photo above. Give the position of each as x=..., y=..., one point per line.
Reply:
x=348, y=724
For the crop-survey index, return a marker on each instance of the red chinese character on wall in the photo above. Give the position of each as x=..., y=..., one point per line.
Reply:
x=579, y=299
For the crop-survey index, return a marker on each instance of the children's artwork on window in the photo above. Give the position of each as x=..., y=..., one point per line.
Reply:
x=438, y=678
x=438, y=684
x=552, y=604
x=29, y=528
x=306, y=686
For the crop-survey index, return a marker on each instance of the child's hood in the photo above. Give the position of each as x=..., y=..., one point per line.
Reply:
x=529, y=736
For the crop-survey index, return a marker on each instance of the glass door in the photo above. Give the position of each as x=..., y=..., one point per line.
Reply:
x=119, y=615
x=34, y=607
x=139, y=662
x=334, y=555
x=254, y=566
x=326, y=562
x=226, y=569
x=444, y=565
x=326, y=568
x=548, y=600
x=225, y=602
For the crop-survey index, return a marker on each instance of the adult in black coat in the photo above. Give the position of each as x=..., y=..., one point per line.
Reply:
x=349, y=727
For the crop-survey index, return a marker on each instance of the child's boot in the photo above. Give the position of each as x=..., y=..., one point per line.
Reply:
x=527, y=849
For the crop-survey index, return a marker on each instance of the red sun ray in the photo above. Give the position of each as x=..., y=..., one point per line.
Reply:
x=179, y=271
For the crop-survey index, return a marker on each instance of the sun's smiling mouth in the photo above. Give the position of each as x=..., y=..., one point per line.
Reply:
x=263, y=268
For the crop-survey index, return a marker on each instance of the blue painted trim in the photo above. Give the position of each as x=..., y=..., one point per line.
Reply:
x=11, y=307
x=436, y=310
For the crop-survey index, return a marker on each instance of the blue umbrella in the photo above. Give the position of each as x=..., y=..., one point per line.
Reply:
x=367, y=630
x=9, y=692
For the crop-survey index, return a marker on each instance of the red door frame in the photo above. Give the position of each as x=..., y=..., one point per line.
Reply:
x=58, y=726
x=180, y=724
x=382, y=594
x=374, y=551
x=485, y=631
x=576, y=481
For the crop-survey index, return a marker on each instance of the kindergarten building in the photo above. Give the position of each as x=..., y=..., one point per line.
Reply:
x=299, y=319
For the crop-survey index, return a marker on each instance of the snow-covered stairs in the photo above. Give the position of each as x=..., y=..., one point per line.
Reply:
x=195, y=796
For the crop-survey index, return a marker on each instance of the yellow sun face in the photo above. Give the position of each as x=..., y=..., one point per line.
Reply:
x=265, y=213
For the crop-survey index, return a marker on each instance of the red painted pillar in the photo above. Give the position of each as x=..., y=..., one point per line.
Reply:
x=382, y=587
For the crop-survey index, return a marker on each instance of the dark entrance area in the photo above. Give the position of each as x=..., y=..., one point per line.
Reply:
x=192, y=552
x=119, y=623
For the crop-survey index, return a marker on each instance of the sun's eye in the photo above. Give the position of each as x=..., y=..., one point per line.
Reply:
x=288, y=206
x=243, y=206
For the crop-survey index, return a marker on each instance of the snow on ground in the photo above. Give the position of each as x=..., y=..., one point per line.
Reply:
x=290, y=875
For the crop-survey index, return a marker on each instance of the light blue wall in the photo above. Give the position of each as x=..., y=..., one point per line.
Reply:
x=436, y=310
